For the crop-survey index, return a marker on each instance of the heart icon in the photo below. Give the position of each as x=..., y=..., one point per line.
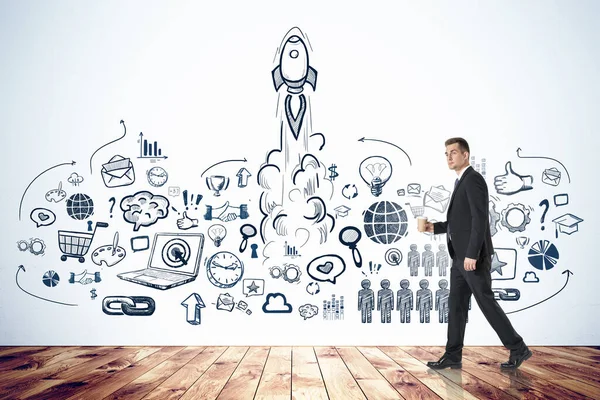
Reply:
x=325, y=268
x=42, y=216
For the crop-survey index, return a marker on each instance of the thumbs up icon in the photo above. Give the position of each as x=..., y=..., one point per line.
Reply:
x=511, y=182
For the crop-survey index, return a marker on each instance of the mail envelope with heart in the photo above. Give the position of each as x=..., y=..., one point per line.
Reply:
x=118, y=171
x=551, y=176
x=413, y=188
x=225, y=302
x=437, y=198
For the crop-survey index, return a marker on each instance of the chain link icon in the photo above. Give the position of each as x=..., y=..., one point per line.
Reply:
x=507, y=294
x=128, y=305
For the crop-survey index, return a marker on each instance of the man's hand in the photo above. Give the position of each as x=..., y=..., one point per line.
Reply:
x=470, y=264
x=429, y=227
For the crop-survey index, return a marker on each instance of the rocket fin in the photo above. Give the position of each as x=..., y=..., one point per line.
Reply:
x=311, y=77
x=277, y=77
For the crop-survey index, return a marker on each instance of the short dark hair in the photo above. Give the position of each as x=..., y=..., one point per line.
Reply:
x=462, y=144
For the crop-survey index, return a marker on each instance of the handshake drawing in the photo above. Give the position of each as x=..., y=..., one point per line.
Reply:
x=226, y=212
x=85, y=278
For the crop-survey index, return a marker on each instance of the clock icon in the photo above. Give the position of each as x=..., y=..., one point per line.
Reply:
x=224, y=269
x=157, y=176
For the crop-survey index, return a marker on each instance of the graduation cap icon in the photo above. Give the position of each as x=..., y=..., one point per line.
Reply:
x=567, y=224
x=341, y=211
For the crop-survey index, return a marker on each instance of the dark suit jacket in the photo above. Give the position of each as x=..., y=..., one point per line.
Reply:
x=468, y=217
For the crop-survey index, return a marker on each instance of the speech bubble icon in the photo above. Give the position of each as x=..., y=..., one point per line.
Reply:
x=140, y=243
x=174, y=191
x=42, y=217
x=326, y=268
x=253, y=287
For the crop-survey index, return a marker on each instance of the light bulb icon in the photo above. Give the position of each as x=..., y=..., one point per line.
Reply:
x=217, y=233
x=375, y=171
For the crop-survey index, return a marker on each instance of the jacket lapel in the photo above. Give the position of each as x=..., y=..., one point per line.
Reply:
x=462, y=178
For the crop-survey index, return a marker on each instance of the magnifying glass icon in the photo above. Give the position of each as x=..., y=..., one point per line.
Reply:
x=247, y=231
x=350, y=236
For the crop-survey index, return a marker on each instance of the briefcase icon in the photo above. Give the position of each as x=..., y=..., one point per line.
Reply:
x=551, y=177
x=225, y=302
x=118, y=171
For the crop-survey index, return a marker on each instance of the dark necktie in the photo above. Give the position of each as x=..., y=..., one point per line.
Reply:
x=456, y=183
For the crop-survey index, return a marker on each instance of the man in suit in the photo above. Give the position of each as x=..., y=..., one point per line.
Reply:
x=470, y=246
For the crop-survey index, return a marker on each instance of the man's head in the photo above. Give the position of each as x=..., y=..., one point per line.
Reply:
x=457, y=153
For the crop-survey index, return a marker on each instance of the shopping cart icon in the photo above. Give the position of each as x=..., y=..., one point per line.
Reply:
x=76, y=244
x=416, y=211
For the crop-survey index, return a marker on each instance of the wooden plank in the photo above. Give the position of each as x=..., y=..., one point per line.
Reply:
x=21, y=381
x=17, y=359
x=245, y=379
x=176, y=385
x=145, y=383
x=590, y=358
x=538, y=369
x=276, y=380
x=518, y=380
x=372, y=383
x=210, y=384
x=339, y=382
x=4, y=351
x=580, y=350
x=407, y=385
x=87, y=379
x=307, y=382
x=440, y=384
x=41, y=359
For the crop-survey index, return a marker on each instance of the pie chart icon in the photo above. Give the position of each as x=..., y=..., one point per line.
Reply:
x=543, y=255
x=50, y=279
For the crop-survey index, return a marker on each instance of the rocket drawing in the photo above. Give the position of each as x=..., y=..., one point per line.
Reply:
x=293, y=69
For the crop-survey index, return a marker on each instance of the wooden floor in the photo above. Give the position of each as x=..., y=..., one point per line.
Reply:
x=292, y=372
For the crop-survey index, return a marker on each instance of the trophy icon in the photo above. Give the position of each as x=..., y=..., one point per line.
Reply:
x=522, y=241
x=217, y=183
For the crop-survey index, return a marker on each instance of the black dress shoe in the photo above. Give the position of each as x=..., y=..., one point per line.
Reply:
x=515, y=361
x=444, y=362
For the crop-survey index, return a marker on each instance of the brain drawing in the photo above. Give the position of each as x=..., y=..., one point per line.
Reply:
x=144, y=209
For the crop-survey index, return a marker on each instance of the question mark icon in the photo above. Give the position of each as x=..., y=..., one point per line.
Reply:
x=113, y=200
x=547, y=204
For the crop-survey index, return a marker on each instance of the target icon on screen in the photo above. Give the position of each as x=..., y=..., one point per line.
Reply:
x=176, y=253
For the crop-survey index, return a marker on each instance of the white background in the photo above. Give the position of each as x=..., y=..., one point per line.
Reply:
x=196, y=77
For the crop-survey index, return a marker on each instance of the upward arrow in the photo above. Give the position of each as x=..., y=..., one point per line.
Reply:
x=243, y=175
x=568, y=272
x=193, y=305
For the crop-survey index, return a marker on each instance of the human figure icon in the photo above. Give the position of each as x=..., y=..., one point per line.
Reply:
x=366, y=301
x=385, y=301
x=413, y=260
x=441, y=301
x=405, y=301
x=428, y=260
x=442, y=259
x=424, y=301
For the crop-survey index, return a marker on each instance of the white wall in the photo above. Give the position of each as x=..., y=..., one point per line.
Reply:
x=197, y=78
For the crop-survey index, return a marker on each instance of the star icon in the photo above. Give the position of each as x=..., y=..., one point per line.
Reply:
x=253, y=287
x=497, y=264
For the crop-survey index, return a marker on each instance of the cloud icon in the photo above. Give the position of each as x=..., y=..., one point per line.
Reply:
x=530, y=277
x=144, y=209
x=326, y=268
x=75, y=179
x=308, y=311
x=276, y=303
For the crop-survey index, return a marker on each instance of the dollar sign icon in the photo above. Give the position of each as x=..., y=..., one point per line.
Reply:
x=333, y=174
x=93, y=292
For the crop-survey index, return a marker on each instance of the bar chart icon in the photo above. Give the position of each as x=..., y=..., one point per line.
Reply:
x=149, y=149
x=290, y=251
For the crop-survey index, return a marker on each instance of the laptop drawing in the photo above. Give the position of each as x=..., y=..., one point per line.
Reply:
x=174, y=261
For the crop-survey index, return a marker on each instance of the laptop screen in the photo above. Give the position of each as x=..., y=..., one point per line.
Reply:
x=180, y=253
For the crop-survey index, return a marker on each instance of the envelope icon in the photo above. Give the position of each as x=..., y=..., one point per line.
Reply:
x=118, y=171
x=413, y=188
x=437, y=198
x=551, y=177
x=225, y=302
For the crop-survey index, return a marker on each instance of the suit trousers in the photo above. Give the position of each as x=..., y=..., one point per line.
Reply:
x=479, y=284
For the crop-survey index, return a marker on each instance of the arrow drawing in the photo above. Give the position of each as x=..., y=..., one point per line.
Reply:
x=569, y=273
x=243, y=175
x=221, y=162
x=545, y=158
x=41, y=173
x=124, y=133
x=392, y=144
x=193, y=305
x=21, y=267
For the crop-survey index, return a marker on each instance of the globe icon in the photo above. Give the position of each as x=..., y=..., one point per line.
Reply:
x=80, y=206
x=385, y=222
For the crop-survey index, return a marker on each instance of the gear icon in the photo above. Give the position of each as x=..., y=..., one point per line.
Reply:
x=291, y=273
x=22, y=245
x=37, y=247
x=275, y=272
x=494, y=218
x=518, y=211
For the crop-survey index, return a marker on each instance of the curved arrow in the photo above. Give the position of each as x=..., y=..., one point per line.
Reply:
x=221, y=162
x=540, y=302
x=383, y=141
x=31, y=294
x=545, y=158
x=40, y=174
x=93, y=154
